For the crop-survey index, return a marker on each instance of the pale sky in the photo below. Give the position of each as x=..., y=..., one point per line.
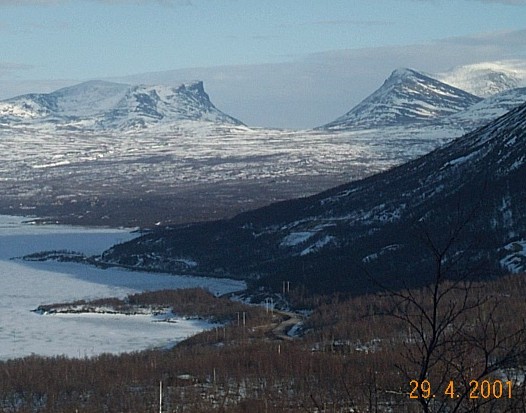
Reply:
x=281, y=63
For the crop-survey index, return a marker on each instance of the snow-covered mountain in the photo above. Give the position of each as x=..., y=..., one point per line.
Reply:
x=114, y=106
x=406, y=97
x=414, y=101
x=65, y=157
x=383, y=227
x=488, y=109
x=487, y=78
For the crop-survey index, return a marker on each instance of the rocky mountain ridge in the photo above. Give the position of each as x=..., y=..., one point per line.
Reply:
x=98, y=105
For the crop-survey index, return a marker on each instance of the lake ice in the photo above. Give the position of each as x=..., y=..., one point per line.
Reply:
x=26, y=285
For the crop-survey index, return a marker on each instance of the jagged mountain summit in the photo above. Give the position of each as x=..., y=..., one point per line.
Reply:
x=377, y=230
x=406, y=97
x=107, y=106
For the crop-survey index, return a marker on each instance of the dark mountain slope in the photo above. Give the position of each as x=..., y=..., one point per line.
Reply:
x=374, y=228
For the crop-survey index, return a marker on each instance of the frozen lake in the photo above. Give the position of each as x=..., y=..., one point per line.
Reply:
x=26, y=285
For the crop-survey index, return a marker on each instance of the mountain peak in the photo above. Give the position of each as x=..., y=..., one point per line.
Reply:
x=407, y=96
x=194, y=85
x=107, y=105
x=402, y=73
x=195, y=88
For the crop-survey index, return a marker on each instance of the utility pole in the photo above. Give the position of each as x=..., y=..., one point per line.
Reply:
x=268, y=301
x=161, y=397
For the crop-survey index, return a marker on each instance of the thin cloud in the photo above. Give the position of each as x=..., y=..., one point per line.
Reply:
x=8, y=68
x=52, y=26
x=257, y=37
x=509, y=41
x=350, y=22
x=30, y=2
x=509, y=2
x=145, y=2
x=116, y=2
x=339, y=22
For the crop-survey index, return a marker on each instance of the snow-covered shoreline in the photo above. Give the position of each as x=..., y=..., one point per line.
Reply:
x=26, y=285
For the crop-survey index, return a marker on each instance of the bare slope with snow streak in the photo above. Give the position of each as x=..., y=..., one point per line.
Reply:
x=341, y=238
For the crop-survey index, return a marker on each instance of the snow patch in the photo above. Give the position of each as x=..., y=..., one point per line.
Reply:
x=188, y=262
x=515, y=261
x=462, y=159
x=51, y=165
x=328, y=239
x=517, y=164
x=383, y=251
x=296, y=238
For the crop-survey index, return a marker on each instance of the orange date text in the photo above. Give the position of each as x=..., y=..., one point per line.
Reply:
x=478, y=389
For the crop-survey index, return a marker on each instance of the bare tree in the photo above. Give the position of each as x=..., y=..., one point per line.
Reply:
x=457, y=350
